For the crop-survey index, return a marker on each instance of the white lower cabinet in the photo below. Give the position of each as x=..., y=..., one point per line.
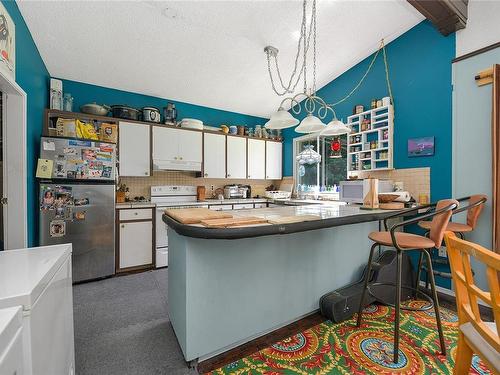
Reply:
x=135, y=239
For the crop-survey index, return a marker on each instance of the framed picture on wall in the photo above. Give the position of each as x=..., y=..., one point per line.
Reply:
x=423, y=146
x=7, y=43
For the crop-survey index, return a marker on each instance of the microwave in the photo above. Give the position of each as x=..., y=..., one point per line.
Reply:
x=354, y=191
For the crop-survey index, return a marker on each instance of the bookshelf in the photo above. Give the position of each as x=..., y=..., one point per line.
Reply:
x=370, y=143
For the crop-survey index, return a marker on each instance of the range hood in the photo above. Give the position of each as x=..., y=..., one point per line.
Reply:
x=176, y=165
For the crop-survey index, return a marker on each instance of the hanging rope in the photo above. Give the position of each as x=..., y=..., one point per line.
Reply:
x=386, y=65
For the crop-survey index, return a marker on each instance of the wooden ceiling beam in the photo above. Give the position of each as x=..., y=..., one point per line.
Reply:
x=447, y=16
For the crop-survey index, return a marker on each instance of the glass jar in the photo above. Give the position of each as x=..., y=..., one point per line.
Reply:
x=68, y=103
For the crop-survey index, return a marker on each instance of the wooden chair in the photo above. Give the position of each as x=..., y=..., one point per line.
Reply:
x=475, y=335
x=401, y=241
x=473, y=205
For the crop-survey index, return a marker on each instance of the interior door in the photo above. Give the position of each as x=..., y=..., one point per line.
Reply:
x=236, y=157
x=214, y=156
x=256, y=159
x=134, y=149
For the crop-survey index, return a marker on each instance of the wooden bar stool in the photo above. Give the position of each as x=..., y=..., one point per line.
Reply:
x=474, y=207
x=404, y=242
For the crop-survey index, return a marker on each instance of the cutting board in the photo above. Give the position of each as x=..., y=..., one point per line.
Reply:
x=237, y=221
x=195, y=215
x=293, y=219
x=392, y=206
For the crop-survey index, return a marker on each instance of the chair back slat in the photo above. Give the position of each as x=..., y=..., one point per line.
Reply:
x=440, y=221
x=467, y=292
x=474, y=212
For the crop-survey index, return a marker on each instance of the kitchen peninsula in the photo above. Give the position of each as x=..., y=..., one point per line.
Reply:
x=227, y=286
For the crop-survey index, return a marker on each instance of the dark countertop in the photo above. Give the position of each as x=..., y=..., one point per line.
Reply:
x=332, y=215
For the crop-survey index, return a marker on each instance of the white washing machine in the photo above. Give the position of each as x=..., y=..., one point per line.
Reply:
x=11, y=341
x=39, y=280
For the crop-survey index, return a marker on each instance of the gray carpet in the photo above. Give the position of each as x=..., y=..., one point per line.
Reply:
x=122, y=327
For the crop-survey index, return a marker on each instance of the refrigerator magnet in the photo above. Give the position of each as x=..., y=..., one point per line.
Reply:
x=81, y=202
x=80, y=215
x=88, y=154
x=48, y=199
x=49, y=146
x=57, y=228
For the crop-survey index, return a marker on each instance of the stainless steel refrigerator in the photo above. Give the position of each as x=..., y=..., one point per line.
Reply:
x=77, y=203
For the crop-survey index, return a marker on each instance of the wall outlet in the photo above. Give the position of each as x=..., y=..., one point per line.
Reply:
x=442, y=252
x=212, y=188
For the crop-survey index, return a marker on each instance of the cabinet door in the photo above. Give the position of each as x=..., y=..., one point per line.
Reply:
x=256, y=159
x=136, y=243
x=165, y=143
x=273, y=160
x=214, y=156
x=236, y=157
x=190, y=145
x=134, y=149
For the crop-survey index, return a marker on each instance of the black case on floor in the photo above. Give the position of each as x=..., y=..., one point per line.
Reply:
x=343, y=303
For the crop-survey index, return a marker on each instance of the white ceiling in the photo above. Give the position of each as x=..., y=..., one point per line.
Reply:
x=204, y=52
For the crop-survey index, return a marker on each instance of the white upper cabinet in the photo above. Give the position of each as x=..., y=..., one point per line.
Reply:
x=256, y=159
x=190, y=146
x=273, y=160
x=214, y=155
x=134, y=149
x=177, y=149
x=236, y=157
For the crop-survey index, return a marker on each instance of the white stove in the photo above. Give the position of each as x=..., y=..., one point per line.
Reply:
x=169, y=196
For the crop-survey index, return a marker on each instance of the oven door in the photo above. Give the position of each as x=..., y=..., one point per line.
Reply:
x=162, y=234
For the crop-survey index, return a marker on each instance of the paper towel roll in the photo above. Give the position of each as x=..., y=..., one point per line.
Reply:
x=404, y=196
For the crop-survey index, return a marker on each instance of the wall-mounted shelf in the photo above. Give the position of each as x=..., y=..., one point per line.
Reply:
x=370, y=143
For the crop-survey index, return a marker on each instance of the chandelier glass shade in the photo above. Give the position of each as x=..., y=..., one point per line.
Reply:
x=281, y=119
x=308, y=156
x=335, y=127
x=310, y=124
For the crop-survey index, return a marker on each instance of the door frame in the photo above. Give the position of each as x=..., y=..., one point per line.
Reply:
x=15, y=214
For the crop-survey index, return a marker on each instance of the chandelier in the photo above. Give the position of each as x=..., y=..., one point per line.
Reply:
x=308, y=156
x=315, y=107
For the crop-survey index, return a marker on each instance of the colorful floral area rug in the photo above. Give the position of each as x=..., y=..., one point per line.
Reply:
x=343, y=348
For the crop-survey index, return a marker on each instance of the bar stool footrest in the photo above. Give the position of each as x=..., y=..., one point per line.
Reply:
x=408, y=308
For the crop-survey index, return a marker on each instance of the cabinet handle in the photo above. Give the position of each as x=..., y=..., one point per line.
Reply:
x=123, y=225
x=175, y=157
x=180, y=157
x=135, y=213
x=206, y=174
x=248, y=176
x=228, y=175
x=267, y=176
x=146, y=173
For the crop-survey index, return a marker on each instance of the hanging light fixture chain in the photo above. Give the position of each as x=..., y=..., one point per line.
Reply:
x=313, y=17
x=387, y=79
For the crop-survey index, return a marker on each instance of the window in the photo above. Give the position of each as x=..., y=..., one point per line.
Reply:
x=329, y=172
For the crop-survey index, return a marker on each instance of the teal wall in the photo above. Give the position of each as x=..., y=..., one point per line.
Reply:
x=86, y=93
x=32, y=76
x=420, y=72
